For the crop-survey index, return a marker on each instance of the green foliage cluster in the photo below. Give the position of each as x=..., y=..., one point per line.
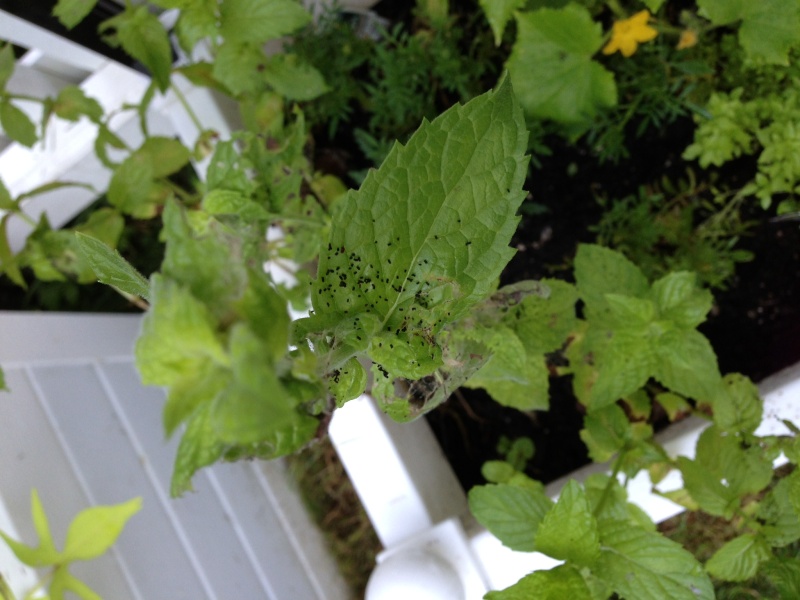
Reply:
x=675, y=227
x=401, y=275
x=91, y=533
x=767, y=126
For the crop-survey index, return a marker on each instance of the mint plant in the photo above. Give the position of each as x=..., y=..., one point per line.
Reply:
x=91, y=534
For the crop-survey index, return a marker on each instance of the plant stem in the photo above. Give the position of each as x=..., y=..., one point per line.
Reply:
x=187, y=107
x=612, y=479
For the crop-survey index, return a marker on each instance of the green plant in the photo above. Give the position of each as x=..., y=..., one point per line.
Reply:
x=673, y=227
x=610, y=546
x=90, y=535
x=768, y=126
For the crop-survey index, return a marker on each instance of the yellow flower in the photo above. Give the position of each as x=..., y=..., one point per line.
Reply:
x=687, y=40
x=627, y=34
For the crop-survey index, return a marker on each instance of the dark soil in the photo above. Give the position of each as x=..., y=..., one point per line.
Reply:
x=754, y=325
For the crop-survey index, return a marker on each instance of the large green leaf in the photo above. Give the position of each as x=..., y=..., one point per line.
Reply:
x=260, y=20
x=644, y=565
x=569, y=530
x=769, y=28
x=552, y=68
x=426, y=236
x=142, y=35
x=510, y=512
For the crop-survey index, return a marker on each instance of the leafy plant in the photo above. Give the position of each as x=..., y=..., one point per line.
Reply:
x=610, y=546
x=90, y=535
x=766, y=126
x=677, y=229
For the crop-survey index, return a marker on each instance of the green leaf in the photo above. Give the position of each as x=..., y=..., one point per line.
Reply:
x=723, y=472
x=680, y=300
x=606, y=431
x=499, y=13
x=16, y=124
x=560, y=583
x=143, y=36
x=6, y=64
x=611, y=365
x=166, y=155
x=72, y=12
x=198, y=385
x=258, y=21
x=644, y=565
x=72, y=104
x=111, y=268
x=673, y=404
x=244, y=414
x=239, y=67
x=552, y=68
x=199, y=447
x=769, y=28
x=784, y=574
x=511, y=376
x=569, y=530
x=207, y=262
x=226, y=202
x=600, y=271
x=3, y=385
x=132, y=189
x=779, y=512
x=196, y=21
x=426, y=236
x=8, y=262
x=739, y=407
x=511, y=513
x=543, y=324
x=739, y=559
x=95, y=529
x=348, y=382
x=45, y=553
x=294, y=79
x=178, y=332
x=687, y=364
